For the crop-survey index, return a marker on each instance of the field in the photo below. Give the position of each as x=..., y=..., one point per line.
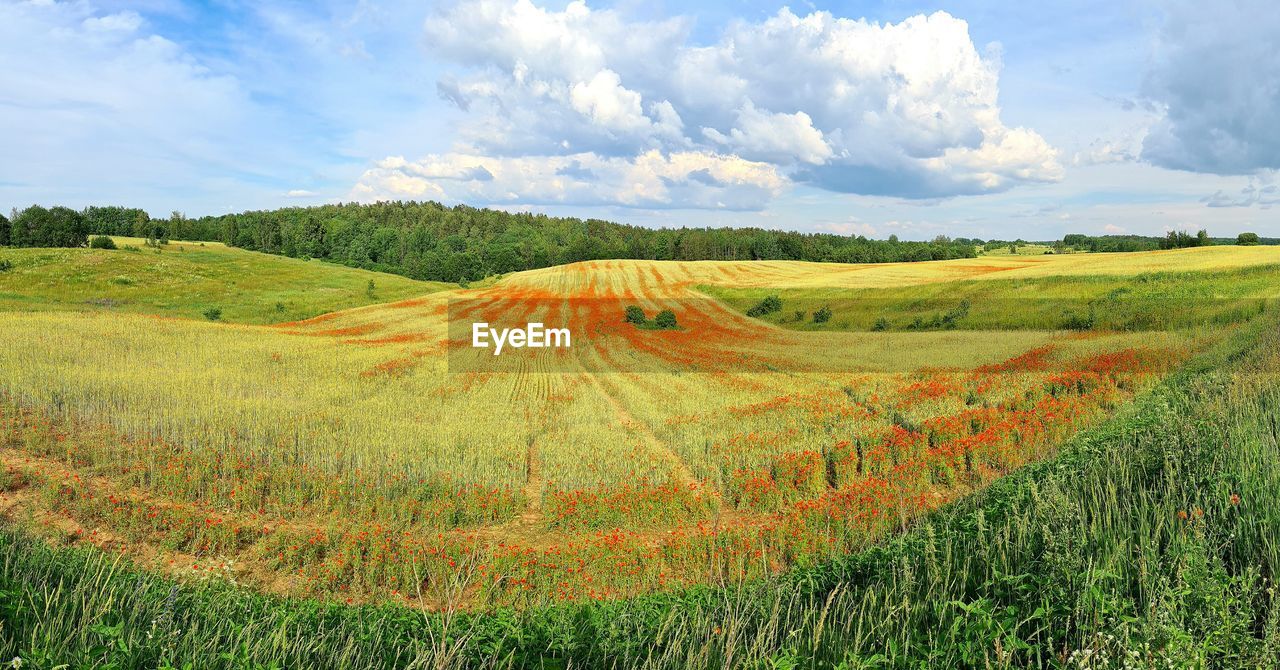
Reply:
x=185, y=279
x=369, y=457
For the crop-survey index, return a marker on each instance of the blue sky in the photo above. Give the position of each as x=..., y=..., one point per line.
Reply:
x=967, y=119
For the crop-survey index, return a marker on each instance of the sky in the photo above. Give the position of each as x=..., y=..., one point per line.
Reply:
x=967, y=119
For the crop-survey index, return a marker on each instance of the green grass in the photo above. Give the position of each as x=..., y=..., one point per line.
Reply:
x=1153, y=301
x=185, y=279
x=1023, y=250
x=1150, y=542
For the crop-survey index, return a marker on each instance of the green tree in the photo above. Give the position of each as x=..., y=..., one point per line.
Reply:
x=822, y=315
x=4, y=231
x=635, y=315
x=1243, y=239
x=102, y=242
x=666, y=320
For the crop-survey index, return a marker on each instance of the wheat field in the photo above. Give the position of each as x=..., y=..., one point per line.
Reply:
x=371, y=453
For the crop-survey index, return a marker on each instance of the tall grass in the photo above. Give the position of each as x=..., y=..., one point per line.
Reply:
x=1151, y=542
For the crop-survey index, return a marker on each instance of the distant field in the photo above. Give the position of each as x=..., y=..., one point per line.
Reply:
x=1148, y=301
x=185, y=279
x=796, y=274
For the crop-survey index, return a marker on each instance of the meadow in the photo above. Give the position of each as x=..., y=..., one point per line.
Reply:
x=722, y=485
x=187, y=279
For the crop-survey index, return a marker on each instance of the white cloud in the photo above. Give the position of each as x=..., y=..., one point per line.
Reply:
x=1112, y=229
x=1261, y=190
x=906, y=109
x=773, y=137
x=650, y=180
x=851, y=226
x=300, y=193
x=96, y=107
x=1215, y=75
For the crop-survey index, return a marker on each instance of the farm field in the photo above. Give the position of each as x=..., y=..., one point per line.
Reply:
x=186, y=279
x=370, y=456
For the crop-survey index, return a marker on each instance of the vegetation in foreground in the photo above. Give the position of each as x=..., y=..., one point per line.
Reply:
x=1151, y=542
x=189, y=280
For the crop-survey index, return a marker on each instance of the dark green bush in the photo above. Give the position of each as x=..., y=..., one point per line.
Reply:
x=767, y=306
x=102, y=242
x=822, y=315
x=635, y=315
x=666, y=320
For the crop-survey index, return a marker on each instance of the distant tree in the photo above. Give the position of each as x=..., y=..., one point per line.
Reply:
x=822, y=315
x=1202, y=238
x=102, y=242
x=4, y=231
x=1243, y=239
x=635, y=315
x=36, y=226
x=666, y=320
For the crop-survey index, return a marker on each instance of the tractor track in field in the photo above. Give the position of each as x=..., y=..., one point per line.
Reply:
x=679, y=468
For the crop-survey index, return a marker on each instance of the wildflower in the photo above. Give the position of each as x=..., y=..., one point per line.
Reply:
x=1235, y=498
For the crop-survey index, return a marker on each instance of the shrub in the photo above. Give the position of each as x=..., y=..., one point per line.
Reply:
x=213, y=314
x=823, y=314
x=666, y=320
x=799, y=315
x=6, y=265
x=102, y=242
x=769, y=305
x=635, y=315
x=1074, y=321
x=1247, y=239
x=881, y=325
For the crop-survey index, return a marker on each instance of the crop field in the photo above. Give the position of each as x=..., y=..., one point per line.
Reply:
x=371, y=455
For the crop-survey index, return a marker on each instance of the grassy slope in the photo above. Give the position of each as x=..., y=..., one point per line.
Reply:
x=1147, y=543
x=185, y=279
x=1152, y=301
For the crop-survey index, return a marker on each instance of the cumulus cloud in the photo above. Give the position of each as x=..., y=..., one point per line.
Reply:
x=1216, y=76
x=906, y=109
x=652, y=180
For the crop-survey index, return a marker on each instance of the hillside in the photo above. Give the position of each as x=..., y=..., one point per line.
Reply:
x=186, y=279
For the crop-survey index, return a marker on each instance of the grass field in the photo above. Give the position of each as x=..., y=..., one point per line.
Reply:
x=370, y=457
x=185, y=279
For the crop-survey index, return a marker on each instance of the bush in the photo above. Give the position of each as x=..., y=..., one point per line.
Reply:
x=102, y=242
x=5, y=265
x=881, y=325
x=769, y=305
x=635, y=315
x=823, y=314
x=213, y=314
x=1247, y=239
x=666, y=320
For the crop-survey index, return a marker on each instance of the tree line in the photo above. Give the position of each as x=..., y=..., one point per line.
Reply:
x=431, y=241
